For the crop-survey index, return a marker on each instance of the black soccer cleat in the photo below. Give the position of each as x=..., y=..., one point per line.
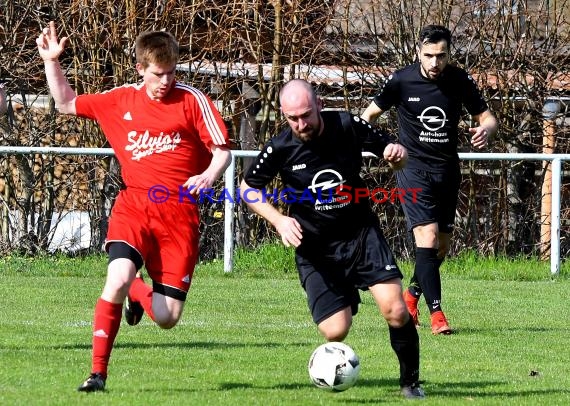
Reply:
x=133, y=312
x=95, y=382
x=413, y=391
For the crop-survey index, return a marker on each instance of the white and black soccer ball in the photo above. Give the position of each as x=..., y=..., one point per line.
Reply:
x=334, y=366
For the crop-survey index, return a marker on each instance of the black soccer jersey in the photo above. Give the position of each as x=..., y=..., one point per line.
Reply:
x=321, y=178
x=429, y=112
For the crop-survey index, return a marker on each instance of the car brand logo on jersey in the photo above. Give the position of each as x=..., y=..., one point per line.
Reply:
x=433, y=118
x=325, y=185
x=325, y=182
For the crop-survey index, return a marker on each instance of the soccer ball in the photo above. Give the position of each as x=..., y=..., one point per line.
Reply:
x=334, y=366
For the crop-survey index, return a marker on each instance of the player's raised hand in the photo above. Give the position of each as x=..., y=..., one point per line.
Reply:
x=48, y=45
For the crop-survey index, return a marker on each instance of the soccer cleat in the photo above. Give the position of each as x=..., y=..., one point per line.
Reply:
x=413, y=391
x=95, y=382
x=439, y=324
x=133, y=310
x=412, y=305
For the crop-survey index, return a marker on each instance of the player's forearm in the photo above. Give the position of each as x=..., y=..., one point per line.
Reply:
x=60, y=89
x=221, y=158
x=257, y=203
x=491, y=124
x=487, y=121
x=265, y=210
x=371, y=113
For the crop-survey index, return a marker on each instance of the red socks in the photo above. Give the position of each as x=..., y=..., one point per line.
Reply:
x=142, y=293
x=106, y=324
x=107, y=321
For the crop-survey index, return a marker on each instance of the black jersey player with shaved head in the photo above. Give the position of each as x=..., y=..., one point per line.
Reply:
x=339, y=247
x=429, y=97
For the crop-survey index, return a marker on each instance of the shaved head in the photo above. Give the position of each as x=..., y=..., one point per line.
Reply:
x=297, y=88
x=302, y=109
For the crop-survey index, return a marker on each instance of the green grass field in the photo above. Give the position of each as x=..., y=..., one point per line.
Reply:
x=245, y=339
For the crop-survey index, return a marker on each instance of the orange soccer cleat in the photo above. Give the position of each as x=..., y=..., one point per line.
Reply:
x=439, y=324
x=412, y=305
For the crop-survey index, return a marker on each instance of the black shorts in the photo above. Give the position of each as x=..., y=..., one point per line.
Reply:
x=331, y=274
x=435, y=198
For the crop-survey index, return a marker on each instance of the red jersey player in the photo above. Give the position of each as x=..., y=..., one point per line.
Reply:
x=168, y=137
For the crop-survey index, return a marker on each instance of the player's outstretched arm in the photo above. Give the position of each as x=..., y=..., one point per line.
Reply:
x=288, y=228
x=50, y=48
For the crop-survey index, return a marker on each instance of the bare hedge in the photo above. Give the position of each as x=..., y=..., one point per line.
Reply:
x=519, y=52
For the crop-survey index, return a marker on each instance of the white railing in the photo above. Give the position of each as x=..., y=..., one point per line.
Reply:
x=556, y=190
x=556, y=168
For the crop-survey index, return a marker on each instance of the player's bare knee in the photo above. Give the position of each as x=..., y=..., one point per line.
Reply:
x=118, y=288
x=426, y=236
x=334, y=331
x=396, y=314
x=115, y=291
x=398, y=322
x=166, y=322
x=166, y=318
x=167, y=325
x=335, y=335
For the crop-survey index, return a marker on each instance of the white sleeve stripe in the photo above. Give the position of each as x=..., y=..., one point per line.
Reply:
x=211, y=124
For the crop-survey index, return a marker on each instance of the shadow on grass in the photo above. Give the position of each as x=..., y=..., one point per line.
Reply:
x=185, y=345
x=450, y=390
x=506, y=329
x=392, y=383
x=472, y=391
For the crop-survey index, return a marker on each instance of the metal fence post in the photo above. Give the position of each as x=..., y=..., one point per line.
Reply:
x=229, y=216
x=555, y=217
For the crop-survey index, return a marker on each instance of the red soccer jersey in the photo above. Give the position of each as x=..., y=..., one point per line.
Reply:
x=158, y=142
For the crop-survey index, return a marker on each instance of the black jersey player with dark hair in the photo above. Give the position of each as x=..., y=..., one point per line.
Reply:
x=339, y=245
x=429, y=97
x=3, y=100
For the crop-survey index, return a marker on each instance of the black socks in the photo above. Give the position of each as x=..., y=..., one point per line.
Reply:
x=406, y=344
x=426, y=278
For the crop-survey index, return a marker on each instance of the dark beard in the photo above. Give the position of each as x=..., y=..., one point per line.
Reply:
x=315, y=131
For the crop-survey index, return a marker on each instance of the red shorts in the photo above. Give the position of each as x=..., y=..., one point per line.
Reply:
x=165, y=234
